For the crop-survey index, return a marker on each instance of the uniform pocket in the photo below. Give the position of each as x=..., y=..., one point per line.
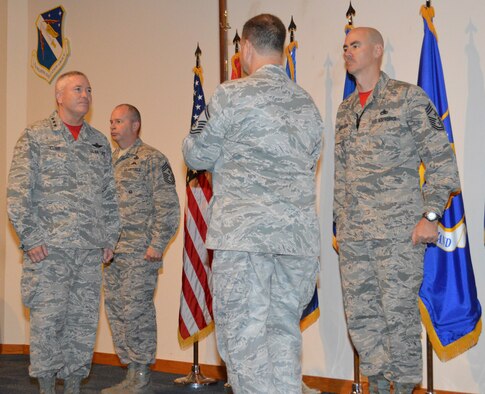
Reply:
x=29, y=282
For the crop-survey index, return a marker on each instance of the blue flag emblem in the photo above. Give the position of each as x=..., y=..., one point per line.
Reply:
x=450, y=309
x=52, y=47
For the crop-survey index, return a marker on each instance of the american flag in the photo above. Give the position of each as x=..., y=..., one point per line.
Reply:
x=195, y=316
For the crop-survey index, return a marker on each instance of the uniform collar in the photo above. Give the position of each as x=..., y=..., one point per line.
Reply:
x=58, y=125
x=271, y=68
x=376, y=93
x=132, y=150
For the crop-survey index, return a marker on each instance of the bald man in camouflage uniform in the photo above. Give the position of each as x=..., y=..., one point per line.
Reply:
x=262, y=141
x=62, y=202
x=384, y=130
x=150, y=214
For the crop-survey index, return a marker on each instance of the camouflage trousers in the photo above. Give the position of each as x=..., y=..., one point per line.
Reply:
x=380, y=284
x=129, y=286
x=258, y=300
x=62, y=292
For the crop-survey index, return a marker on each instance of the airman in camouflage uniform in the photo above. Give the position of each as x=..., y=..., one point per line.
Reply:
x=379, y=207
x=261, y=141
x=62, y=202
x=150, y=214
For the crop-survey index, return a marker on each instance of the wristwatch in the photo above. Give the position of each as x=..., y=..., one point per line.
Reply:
x=431, y=216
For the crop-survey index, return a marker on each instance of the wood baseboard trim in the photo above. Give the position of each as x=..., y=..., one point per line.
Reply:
x=217, y=372
x=14, y=349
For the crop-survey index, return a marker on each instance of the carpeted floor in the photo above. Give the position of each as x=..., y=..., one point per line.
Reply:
x=14, y=379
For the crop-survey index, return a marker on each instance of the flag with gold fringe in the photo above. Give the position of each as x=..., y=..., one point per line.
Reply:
x=236, y=71
x=290, y=53
x=195, y=315
x=349, y=87
x=236, y=66
x=449, y=306
x=312, y=312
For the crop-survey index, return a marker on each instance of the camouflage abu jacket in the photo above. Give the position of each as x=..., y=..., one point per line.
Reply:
x=378, y=151
x=262, y=141
x=61, y=192
x=149, y=205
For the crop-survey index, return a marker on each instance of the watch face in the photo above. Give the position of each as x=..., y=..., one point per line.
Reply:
x=431, y=216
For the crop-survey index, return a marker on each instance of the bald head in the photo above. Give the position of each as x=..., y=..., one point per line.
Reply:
x=363, y=51
x=373, y=35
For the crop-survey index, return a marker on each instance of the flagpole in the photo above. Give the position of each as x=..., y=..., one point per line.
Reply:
x=223, y=60
x=429, y=366
x=195, y=378
x=223, y=28
x=349, y=88
x=236, y=41
x=429, y=347
x=356, y=385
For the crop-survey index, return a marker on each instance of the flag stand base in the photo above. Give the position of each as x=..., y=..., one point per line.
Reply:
x=195, y=379
x=357, y=388
x=356, y=385
x=429, y=365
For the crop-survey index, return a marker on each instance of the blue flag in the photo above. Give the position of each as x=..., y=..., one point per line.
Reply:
x=449, y=306
x=349, y=86
x=290, y=53
x=312, y=312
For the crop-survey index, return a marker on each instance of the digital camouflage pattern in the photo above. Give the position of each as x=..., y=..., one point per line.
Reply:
x=129, y=284
x=261, y=141
x=377, y=203
x=150, y=215
x=377, y=189
x=62, y=292
x=260, y=136
x=148, y=201
x=380, y=284
x=258, y=300
x=61, y=192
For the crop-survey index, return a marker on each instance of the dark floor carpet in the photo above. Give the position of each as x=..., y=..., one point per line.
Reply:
x=14, y=379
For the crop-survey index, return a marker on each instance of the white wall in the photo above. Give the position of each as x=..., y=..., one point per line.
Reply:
x=141, y=52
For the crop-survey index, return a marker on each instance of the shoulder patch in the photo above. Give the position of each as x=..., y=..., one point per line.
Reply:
x=434, y=118
x=168, y=174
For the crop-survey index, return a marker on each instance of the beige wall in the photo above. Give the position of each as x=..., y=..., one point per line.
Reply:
x=15, y=329
x=3, y=152
x=142, y=53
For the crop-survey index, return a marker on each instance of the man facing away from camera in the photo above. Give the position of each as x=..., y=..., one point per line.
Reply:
x=260, y=136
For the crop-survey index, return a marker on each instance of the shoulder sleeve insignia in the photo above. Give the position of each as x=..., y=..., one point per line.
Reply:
x=434, y=118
